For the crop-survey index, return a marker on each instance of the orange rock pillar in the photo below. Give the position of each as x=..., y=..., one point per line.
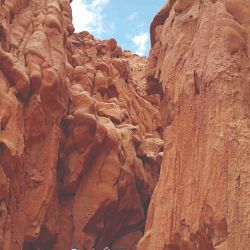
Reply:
x=200, y=62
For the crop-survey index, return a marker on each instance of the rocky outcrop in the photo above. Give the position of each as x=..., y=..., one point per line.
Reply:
x=199, y=64
x=81, y=133
x=80, y=141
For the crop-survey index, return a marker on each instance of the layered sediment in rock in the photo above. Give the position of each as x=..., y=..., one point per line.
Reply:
x=199, y=63
x=80, y=145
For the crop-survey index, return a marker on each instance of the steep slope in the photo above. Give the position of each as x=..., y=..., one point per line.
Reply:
x=80, y=146
x=199, y=63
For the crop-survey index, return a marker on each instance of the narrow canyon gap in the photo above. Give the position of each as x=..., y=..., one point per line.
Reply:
x=96, y=141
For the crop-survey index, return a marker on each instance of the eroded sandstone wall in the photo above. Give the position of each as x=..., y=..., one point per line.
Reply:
x=80, y=146
x=199, y=63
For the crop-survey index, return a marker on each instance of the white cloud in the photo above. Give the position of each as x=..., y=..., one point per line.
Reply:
x=88, y=15
x=112, y=28
x=140, y=41
x=132, y=16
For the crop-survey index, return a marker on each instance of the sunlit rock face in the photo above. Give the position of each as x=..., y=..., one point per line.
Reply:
x=82, y=121
x=199, y=64
x=80, y=140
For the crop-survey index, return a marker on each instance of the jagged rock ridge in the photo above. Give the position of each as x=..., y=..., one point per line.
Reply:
x=80, y=146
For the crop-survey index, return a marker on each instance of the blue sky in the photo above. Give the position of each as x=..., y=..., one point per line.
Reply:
x=127, y=21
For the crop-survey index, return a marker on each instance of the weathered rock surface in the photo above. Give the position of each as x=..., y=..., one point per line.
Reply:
x=81, y=135
x=199, y=64
x=80, y=146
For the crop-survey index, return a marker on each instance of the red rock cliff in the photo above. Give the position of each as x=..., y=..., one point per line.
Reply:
x=80, y=146
x=199, y=63
x=80, y=139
